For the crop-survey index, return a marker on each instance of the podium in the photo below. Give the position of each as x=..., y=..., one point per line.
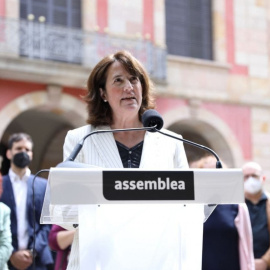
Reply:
x=138, y=219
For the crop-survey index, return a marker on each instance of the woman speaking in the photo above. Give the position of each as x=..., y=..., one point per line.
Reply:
x=141, y=236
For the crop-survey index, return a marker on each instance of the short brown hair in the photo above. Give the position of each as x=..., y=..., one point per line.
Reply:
x=16, y=137
x=99, y=112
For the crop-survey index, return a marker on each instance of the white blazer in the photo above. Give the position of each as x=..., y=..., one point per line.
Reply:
x=159, y=151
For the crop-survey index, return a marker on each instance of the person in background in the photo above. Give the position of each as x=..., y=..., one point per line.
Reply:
x=18, y=196
x=5, y=233
x=259, y=210
x=227, y=235
x=60, y=240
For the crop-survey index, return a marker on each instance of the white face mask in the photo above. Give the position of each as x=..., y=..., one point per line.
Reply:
x=252, y=185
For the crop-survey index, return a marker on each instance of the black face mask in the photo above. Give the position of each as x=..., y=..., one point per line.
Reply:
x=21, y=160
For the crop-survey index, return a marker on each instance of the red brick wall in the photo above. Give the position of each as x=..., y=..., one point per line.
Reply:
x=238, y=119
x=11, y=90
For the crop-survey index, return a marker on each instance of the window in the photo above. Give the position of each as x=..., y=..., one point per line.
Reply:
x=189, y=28
x=52, y=38
x=57, y=12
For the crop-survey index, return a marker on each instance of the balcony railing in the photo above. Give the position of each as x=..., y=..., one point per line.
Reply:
x=22, y=38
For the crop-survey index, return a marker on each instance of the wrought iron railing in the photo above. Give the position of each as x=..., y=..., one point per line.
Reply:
x=23, y=38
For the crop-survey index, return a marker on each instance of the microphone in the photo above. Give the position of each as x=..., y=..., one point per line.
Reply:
x=152, y=119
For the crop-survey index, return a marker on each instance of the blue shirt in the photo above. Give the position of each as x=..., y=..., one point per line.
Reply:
x=259, y=224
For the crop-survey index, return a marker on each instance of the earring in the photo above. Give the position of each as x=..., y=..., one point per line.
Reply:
x=105, y=100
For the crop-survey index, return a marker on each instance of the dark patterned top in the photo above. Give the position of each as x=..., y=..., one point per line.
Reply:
x=131, y=157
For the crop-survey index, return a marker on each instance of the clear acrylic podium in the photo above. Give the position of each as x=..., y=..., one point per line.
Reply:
x=138, y=219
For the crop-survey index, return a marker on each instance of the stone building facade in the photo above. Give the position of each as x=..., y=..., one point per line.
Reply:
x=221, y=100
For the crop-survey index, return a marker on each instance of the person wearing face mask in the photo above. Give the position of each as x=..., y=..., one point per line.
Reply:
x=18, y=196
x=259, y=210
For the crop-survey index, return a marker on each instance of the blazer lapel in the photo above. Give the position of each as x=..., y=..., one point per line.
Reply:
x=9, y=195
x=8, y=198
x=29, y=191
x=29, y=202
x=107, y=148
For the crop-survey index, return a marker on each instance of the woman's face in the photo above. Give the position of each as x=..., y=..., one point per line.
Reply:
x=123, y=91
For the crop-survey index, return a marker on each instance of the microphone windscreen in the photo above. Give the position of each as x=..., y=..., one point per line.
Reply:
x=151, y=118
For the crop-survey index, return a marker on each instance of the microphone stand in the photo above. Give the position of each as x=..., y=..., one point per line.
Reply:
x=218, y=163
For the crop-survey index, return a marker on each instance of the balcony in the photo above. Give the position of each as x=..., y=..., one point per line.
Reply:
x=39, y=50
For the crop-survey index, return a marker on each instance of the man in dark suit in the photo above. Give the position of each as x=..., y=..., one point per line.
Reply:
x=18, y=195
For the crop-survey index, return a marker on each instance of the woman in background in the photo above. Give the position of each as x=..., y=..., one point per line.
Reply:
x=60, y=240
